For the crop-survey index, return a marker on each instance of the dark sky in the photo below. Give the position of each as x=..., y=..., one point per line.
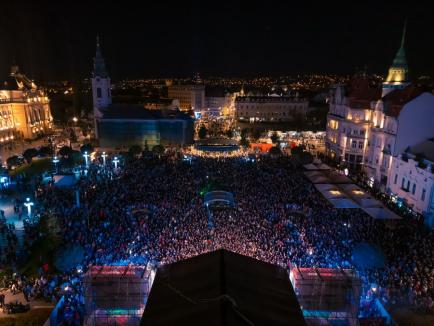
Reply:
x=52, y=41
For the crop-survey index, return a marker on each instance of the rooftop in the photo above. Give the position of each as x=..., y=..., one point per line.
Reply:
x=222, y=288
x=426, y=148
x=134, y=111
x=395, y=100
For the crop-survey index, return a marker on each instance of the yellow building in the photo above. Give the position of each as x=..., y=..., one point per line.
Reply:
x=24, y=110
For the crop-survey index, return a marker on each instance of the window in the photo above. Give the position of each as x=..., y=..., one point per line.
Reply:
x=362, y=132
x=98, y=92
x=360, y=144
x=408, y=185
x=423, y=194
x=403, y=183
x=414, y=189
x=396, y=179
x=353, y=144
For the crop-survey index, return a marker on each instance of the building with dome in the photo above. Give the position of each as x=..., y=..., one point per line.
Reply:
x=24, y=109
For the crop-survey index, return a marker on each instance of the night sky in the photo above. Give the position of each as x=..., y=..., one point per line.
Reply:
x=54, y=41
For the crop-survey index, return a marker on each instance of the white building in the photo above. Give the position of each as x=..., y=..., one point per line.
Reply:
x=273, y=108
x=219, y=102
x=367, y=125
x=349, y=121
x=101, y=91
x=191, y=97
x=412, y=179
x=401, y=119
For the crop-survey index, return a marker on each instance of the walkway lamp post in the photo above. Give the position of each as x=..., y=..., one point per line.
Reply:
x=116, y=161
x=29, y=205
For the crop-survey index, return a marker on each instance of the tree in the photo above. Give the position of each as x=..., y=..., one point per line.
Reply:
x=256, y=134
x=45, y=151
x=202, y=132
x=135, y=150
x=65, y=151
x=86, y=148
x=274, y=137
x=244, y=133
x=158, y=149
x=13, y=161
x=29, y=154
x=229, y=133
x=275, y=151
x=244, y=142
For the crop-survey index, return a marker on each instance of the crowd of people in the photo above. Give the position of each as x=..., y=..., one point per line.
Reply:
x=152, y=210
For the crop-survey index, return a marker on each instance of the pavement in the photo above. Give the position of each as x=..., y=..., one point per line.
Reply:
x=34, y=304
x=19, y=147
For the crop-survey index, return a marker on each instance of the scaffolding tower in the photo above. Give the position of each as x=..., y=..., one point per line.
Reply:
x=327, y=295
x=116, y=295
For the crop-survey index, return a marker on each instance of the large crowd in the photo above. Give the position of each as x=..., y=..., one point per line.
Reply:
x=152, y=210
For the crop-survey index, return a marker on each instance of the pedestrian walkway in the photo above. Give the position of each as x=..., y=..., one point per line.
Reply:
x=34, y=304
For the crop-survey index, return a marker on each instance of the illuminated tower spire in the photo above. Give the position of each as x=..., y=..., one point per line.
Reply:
x=398, y=71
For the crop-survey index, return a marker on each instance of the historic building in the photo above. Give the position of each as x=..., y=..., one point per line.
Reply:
x=273, y=108
x=401, y=119
x=411, y=179
x=121, y=125
x=368, y=124
x=24, y=109
x=349, y=121
x=191, y=97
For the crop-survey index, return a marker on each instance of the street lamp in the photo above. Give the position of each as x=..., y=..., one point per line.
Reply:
x=75, y=119
x=56, y=161
x=29, y=205
x=104, y=155
x=116, y=161
x=86, y=158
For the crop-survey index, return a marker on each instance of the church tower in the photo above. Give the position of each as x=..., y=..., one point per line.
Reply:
x=101, y=92
x=397, y=77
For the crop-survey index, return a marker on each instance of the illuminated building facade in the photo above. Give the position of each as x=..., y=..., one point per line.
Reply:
x=412, y=179
x=397, y=77
x=272, y=108
x=348, y=121
x=24, y=110
x=219, y=102
x=368, y=125
x=191, y=97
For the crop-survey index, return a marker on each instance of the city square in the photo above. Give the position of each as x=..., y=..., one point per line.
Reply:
x=243, y=190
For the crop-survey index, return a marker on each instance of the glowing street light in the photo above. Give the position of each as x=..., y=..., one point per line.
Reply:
x=56, y=161
x=86, y=157
x=104, y=155
x=116, y=161
x=29, y=205
x=75, y=119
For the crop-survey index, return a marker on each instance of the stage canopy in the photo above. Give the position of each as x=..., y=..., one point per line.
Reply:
x=222, y=288
x=342, y=193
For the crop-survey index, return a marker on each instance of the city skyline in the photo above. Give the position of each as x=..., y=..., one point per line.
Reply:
x=245, y=39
